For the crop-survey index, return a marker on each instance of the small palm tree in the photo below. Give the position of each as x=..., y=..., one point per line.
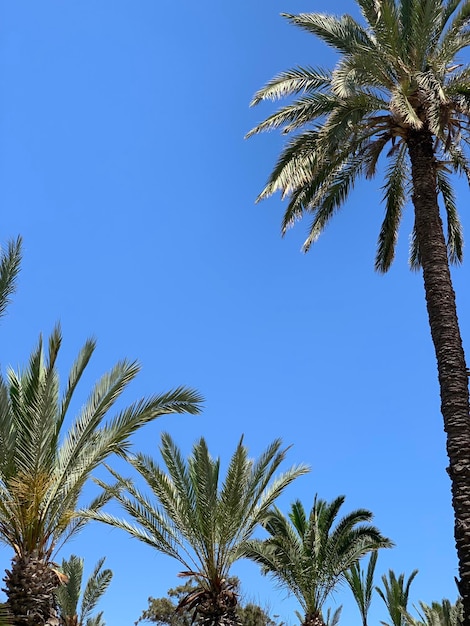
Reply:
x=399, y=95
x=309, y=555
x=362, y=585
x=198, y=521
x=438, y=614
x=70, y=594
x=10, y=261
x=44, y=466
x=395, y=595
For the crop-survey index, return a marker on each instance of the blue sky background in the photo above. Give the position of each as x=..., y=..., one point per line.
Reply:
x=124, y=168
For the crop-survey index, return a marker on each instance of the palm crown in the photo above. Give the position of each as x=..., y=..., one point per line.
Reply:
x=198, y=521
x=310, y=554
x=397, y=74
x=44, y=467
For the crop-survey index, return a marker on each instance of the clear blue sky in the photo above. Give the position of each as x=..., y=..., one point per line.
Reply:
x=124, y=168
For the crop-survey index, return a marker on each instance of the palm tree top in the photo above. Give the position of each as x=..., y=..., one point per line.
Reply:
x=43, y=464
x=310, y=553
x=398, y=73
x=198, y=518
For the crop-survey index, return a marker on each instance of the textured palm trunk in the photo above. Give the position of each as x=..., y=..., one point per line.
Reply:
x=442, y=312
x=30, y=586
x=218, y=609
x=313, y=619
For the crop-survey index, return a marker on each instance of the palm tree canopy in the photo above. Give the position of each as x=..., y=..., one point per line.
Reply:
x=437, y=614
x=398, y=72
x=44, y=466
x=194, y=518
x=309, y=554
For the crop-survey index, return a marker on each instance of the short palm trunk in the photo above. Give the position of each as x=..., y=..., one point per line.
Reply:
x=30, y=586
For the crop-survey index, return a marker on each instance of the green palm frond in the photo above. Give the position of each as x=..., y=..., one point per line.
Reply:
x=10, y=261
x=76, y=603
x=362, y=585
x=291, y=82
x=454, y=227
x=395, y=594
x=95, y=587
x=303, y=111
x=395, y=198
x=342, y=33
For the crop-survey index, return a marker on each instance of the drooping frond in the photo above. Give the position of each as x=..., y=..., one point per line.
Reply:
x=454, y=227
x=396, y=181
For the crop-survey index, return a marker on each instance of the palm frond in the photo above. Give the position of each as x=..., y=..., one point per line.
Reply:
x=10, y=262
x=291, y=82
x=454, y=227
x=341, y=33
x=395, y=198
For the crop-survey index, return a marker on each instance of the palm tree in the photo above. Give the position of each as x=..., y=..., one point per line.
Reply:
x=69, y=594
x=362, y=585
x=399, y=90
x=395, y=595
x=437, y=614
x=309, y=555
x=10, y=261
x=44, y=467
x=198, y=521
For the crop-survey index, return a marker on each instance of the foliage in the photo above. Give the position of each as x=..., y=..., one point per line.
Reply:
x=44, y=466
x=437, y=614
x=71, y=594
x=197, y=521
x=397, y=74
x=395, y=595
x=362, y=585
x=310, y=554
x=10, y=261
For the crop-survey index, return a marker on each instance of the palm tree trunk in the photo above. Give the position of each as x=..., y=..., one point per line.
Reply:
x=30, y=586
x=442, y=312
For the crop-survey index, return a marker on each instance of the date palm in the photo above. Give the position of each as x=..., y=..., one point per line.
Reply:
x=309, y=554
x=76, y=604
x=198, y=521
x=399, y=95
x=45, y=463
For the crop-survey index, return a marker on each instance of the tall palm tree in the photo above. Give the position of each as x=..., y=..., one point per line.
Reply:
x=45, y=463
x=362, y=585
x=10, y=260
x=395, y=595
x=310, y=554
x=76, y=604
x=198, y=521
x=398, y=91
